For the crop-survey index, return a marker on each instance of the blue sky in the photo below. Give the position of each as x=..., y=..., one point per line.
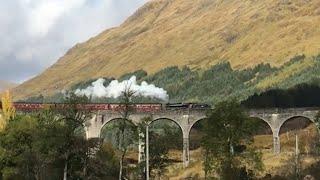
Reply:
x=35, y=33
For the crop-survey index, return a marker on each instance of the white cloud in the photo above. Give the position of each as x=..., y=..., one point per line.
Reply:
x=44, y=14
x=35, y=33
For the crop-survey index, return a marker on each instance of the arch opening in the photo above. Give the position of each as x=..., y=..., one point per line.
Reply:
x=299, y=139
x=263, y=136
x=115, y=123
x=306, y=132
x=294, y=123
x=165, y=145
x=168, y=120
x=195, y=134
x=111, y=135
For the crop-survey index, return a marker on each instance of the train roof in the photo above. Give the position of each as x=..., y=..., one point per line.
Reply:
x=65, y=103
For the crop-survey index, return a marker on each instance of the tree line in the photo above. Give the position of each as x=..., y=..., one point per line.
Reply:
x=302, y=95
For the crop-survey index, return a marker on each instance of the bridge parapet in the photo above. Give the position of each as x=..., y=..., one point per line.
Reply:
x=281, y=110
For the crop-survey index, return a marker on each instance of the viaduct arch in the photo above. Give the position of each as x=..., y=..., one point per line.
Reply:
x=186, y=119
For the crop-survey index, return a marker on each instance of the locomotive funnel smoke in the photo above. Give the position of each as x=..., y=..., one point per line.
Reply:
x=115, y=89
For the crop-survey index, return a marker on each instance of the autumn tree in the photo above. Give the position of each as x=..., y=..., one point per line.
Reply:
x=8, y=110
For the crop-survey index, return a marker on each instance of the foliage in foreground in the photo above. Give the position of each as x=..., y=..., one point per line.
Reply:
x=228, y=133
x=51, y=145
x=164, y=136
x=42, y=145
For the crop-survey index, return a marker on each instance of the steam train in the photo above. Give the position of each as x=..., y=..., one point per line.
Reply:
x=146, y=107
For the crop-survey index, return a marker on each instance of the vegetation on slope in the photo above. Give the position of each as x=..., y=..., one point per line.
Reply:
x=218, y=83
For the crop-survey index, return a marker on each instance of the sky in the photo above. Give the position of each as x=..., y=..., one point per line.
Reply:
x=35, y=33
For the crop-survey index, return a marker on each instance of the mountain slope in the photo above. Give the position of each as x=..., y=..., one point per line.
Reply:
x=196, y=33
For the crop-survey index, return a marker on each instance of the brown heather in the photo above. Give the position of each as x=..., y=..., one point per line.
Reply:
x=196, y=33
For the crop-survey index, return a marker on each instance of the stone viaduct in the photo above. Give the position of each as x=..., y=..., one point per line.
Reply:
x=186, y=119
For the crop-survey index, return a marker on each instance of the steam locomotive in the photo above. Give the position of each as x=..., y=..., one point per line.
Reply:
x=151, y=107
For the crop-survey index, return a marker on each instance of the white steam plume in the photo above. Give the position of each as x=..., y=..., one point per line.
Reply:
x=115, y=89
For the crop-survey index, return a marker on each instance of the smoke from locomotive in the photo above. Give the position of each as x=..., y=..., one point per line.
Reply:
x=115, y=89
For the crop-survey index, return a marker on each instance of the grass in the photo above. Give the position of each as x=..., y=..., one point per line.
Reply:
x=194, y=170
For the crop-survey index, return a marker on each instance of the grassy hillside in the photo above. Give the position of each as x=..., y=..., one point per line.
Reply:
x=193, y=33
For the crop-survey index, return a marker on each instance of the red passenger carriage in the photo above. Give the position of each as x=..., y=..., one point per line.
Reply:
x=147, y=107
